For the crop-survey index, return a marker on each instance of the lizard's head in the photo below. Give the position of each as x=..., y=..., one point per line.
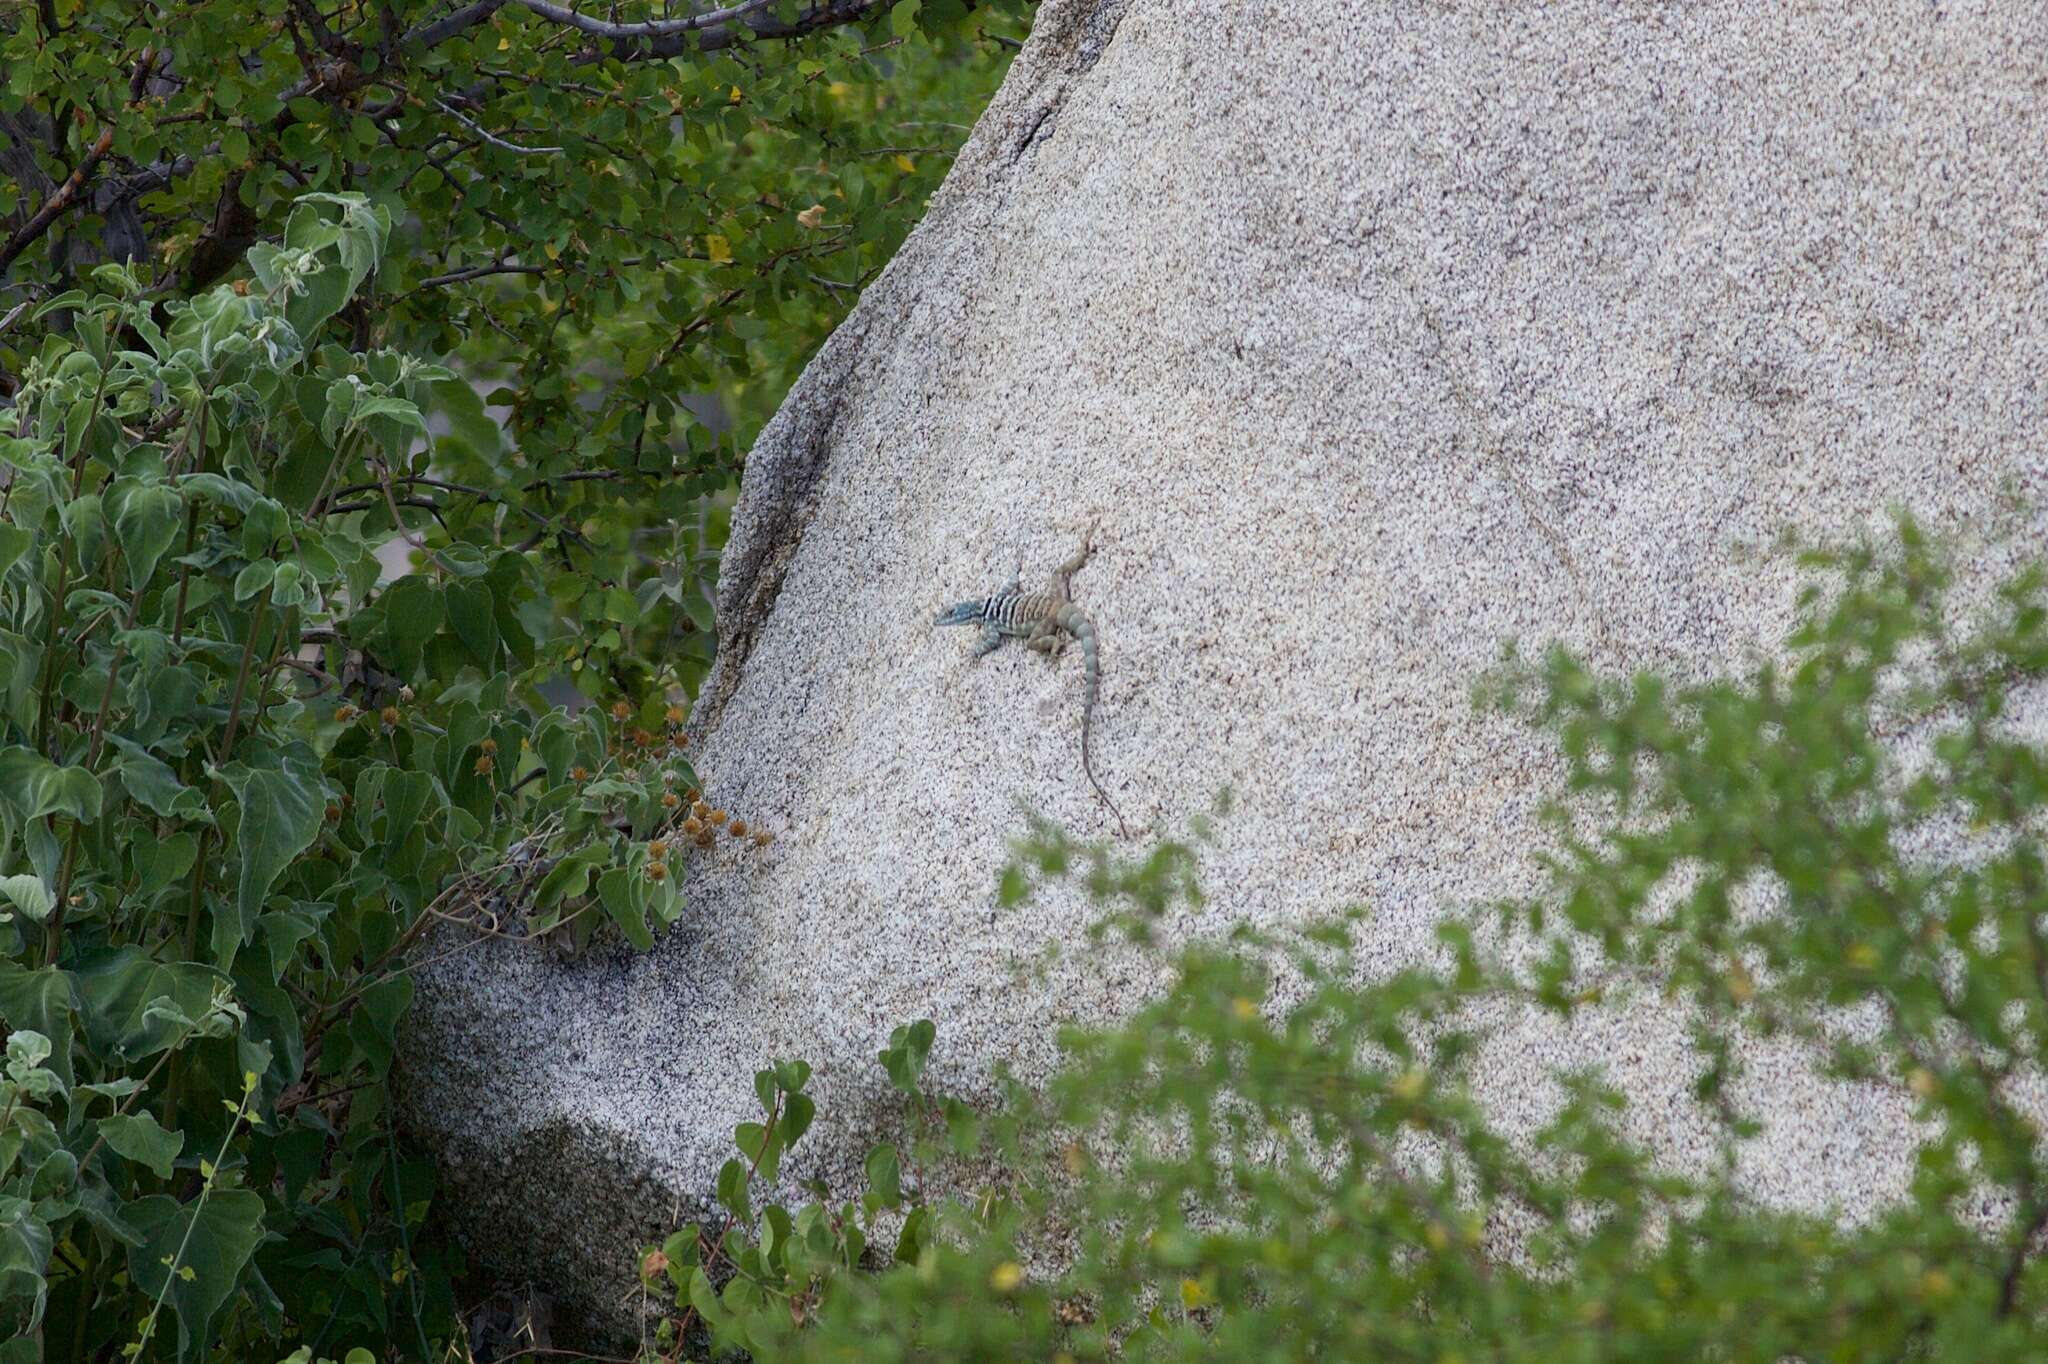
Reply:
x=959, y=613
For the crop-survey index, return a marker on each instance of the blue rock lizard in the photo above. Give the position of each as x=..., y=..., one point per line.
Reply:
x=1044, y=620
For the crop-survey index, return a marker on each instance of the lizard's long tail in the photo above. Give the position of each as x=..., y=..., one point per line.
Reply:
x=1082, y=629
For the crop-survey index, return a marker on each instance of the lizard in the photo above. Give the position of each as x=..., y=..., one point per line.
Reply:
x=1044, y=620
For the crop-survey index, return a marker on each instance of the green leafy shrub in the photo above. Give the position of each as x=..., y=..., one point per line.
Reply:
x=637, y=241
x=243, y=770
x=1277, y=1161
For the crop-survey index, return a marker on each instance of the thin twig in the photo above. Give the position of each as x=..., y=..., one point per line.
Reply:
x=478, y=272
x=491, y=137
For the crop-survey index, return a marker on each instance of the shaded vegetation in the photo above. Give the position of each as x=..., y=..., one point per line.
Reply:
x=375, y=376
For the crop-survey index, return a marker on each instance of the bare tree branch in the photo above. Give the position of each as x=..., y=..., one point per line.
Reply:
x=57, y=204
x=659, y=39
x=461, y=21
x=651, y=28
x=122, y=229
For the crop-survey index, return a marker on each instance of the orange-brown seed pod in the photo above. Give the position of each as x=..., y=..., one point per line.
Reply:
x=579, y=774
x=620, y=710
x=389, y=715
x=658, y=849
x=762, y=838
x=657, y=870
x=703, y=840
x=484, y=765
x=674, y=715
x=670, y=800
x=489, y=745
x=334, y=814
x=344, y=713
x=738, y=828
x=693, y=826
x=718, y=816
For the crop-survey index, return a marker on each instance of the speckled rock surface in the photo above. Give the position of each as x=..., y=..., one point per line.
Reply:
x=1375, y=335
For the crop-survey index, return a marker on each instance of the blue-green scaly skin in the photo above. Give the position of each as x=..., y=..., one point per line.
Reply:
x=1044, y=621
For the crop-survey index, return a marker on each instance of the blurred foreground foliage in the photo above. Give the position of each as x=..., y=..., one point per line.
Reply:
x=1276, y=1161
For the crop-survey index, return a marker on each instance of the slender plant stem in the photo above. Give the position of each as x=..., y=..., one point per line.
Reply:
x=198, y=1207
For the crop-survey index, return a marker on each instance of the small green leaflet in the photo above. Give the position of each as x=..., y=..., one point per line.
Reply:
x=138, y=1137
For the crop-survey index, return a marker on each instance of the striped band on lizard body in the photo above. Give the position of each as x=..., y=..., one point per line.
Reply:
x=1044, y=620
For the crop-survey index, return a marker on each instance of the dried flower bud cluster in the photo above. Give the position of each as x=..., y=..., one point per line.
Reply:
x=703, y=823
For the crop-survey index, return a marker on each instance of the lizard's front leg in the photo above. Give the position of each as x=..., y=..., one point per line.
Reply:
x=1064, y=574
x=991, y=640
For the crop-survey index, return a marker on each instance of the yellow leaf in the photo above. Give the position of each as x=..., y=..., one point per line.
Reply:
x=905, y=164
x=1244, y=1008
x=554, y=252
x=1005, y=1277
x=1193, y=1295
x=837, y=88
x=718, y=249
x=735, y=97
x=504, y=44
x=1741, y=985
